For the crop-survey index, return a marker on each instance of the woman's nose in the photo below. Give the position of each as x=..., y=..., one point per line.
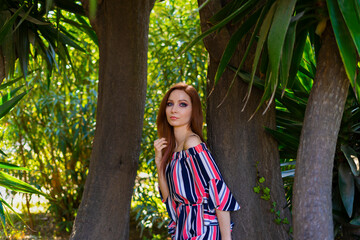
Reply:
x=174, y=108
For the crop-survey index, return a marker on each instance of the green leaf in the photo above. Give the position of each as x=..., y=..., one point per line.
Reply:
x=9, y=24
x=351, y=16
x=225, y=11
x=70, y=5
x=2, y=213
x=232, y=44
x=276, y=39
x=285, y=139
x=297, y=56
x=4, y=85
x=7, y=215
x=88, y=29
x=50, y=33
x=217, y=26
x=2, y=152
x=355, y=221
x=23, y=48
x=17, y=185
x=7, y=96
x=23, y=17
x=262, y=38
x=351, y=157
x=306, y=72
x=12, y=166
x=7, y=106
x=346, y=187
x=344, y=41
x=287, y=54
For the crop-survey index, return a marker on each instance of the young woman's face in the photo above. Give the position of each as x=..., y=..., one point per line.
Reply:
x=178, y=109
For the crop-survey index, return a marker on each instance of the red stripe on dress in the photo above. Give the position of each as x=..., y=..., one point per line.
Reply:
x=227, y=192
x=213, y=168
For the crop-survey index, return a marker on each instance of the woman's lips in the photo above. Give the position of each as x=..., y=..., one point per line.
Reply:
x=173, y=118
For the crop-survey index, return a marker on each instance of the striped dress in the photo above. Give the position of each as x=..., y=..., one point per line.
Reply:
x=196, y=189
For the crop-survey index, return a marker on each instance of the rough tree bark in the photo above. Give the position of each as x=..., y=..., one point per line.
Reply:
x=238, y=144
x=312, y=206
x=122, y=29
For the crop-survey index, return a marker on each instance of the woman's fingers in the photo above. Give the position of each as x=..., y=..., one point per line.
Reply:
x=160, y=144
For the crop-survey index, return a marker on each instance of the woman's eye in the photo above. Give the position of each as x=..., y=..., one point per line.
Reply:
x=169, y=104
x=183, y=105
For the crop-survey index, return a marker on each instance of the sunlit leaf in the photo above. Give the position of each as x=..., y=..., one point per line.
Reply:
x=17, y=185
x=7, y=96
x=352, y=159
x=12, y=166
x=7, y=106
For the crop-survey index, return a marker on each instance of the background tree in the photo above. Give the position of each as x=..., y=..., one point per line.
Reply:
x=122, y=30
x=281, y=40
x=244, y=151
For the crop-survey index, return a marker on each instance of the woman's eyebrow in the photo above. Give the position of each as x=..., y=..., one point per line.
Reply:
x=180, y=100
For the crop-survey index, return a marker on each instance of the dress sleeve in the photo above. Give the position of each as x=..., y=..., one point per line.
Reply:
x=210, y=182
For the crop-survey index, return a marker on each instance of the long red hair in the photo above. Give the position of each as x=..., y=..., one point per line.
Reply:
x=165, y=130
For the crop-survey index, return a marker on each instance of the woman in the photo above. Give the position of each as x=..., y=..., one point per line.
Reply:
x=191, y=186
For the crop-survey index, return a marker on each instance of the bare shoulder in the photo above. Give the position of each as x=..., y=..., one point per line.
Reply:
x=192, y=141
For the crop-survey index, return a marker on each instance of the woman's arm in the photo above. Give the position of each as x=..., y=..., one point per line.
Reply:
x=160, y=144
x=224, y=224
x=162, y=183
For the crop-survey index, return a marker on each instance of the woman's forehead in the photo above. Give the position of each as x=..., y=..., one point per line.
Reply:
x=178, y=95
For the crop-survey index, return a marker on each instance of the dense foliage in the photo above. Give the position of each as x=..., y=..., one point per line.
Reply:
x=51, y=130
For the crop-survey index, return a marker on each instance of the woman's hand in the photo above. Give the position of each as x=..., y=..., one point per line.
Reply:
x=159, y=145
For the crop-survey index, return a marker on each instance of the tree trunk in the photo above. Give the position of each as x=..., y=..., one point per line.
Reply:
x=238, y=144
x=312, y=205
x=122, y=29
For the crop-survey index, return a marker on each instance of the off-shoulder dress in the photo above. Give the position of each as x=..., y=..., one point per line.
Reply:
x=196, y=190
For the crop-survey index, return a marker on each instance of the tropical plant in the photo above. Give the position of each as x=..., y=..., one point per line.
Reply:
x=291, y=105
x=33, y=28
x=281, y=28
x=37, y=37
x=9, y=100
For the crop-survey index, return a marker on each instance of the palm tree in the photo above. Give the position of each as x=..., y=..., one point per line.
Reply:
x=281, y=28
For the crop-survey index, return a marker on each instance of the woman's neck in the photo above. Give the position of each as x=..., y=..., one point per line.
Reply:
x=180, y=134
